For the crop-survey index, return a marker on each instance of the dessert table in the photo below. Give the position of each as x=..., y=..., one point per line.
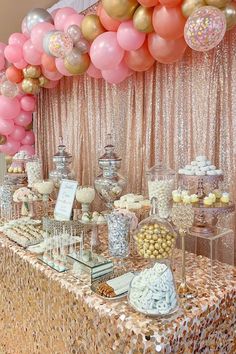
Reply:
x=43, y=311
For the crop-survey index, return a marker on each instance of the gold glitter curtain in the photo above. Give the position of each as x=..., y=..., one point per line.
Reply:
x=172, y=113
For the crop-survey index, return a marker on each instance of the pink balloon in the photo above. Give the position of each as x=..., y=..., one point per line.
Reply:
x=28, y=148
x=11, y=147
x=105, y=51
x=116, y=75
x=74, y=19
x=2, y=62
x=17, y=39
x=31, y=55
x=94, y=72
x=18, y=134
x=53, y=13
x=24, y=28
x=2, y=48
x=61, y=17
x=166, y=51
x=38, y=32
x=128, y=37
x=13, y=53
x=24, y=118
x=21, y=64
x=6, y=126
x=51, y=84
x=52, y=75
x=29, y=138
x=61, y=67
x=9, y=107
x=28, y=103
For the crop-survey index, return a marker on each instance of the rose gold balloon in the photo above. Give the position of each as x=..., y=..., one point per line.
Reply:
x=81, y=67
x=140, y=59
x=91, y=27
x=43, y=81
x=189, y=6
x=3, y=139
x=121, y=10
x=30, y=86
x=142, y=19
x=32, y=72
x=217, y=3
x=230, y=15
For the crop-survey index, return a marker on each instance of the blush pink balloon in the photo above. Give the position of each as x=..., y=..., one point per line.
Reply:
x=30, y=54
x=28, y=103
x=11, y=147
x=24, y=118
x=2, y=62
x=13, y=53
x=74, y=19
x=29, y=138
x=17, y=39
x=107, y=21
x=168, y=22
x=128, y=37
x=105, y=51
x=9, y=107
x=38, y=32
x=6, y=126
x=61, y=17
x=61, y=67
x=18, y=134
x=21, y=64
x=2, y=48
x=24, y=28
x=117, y=74
x=52, y=75
x=29, y=149
x=166, y=51
x=94, y=72
x=51, y=84
x=53, y=13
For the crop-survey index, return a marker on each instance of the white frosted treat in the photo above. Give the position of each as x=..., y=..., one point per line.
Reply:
x=201, y=158
x=189, y=172
x=134, y=205
x=145, y=203
x=188, y=167
x=101, y=219
x=85, y=195
x=139, y=197
x=212, y=196
x=130, y=199
x=200, y=173
x=194, y=198
x=86, y=218
x=193, y=163
x=186, y=199
x=211, y=173
x=117, y=203
x=212, y=167
x=123, y=198
x=219, y=172
x=45, y=187
x=95, y=218
x=205, y=168
x=208, y=162
x=201, y=163
x=184, y=192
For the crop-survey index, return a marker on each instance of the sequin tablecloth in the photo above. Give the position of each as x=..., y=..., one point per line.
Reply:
x=43, y=311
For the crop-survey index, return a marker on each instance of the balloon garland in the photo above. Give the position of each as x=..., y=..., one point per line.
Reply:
x=122, y=37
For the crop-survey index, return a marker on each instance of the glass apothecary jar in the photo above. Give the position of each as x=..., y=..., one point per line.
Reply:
x=34, y=170
x=153, y=291
x=161, y=183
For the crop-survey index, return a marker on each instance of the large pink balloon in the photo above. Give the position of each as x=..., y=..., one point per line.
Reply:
x=2, y=47
x=166, y=51
x=38, y=32
x=17, y=39
x=21, y=64
x=74, y=19
x=105, y=51
x=94, y=72
x=28, y=103
x=52, y=75
x=18, y=133
x=13, y=53
x=117, y=74
x=11, y=147
x=9, y=107
x=31, y=55
x=24, y=28
x=28, y=148
x=29, y=138
x=61, y=67
x=23, y=119
x=128, y=37
x=61, y=17
x=168, y=22
x=6, y=126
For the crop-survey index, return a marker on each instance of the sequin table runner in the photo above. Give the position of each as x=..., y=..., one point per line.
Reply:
x=43, y=311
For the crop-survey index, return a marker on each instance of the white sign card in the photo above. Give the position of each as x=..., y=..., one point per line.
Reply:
x=65, y=200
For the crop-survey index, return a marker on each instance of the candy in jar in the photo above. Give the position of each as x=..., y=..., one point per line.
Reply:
x=34, y=171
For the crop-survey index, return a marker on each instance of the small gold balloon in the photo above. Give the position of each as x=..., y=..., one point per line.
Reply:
x=30, y=86
x=91, y=27
x=120, y=9
x=32, y=72
x=143, y=19
x=81, y=67
x=217, y=3
x=230, y=15
x=3, y=139
x=189, y=6
x=43, y=81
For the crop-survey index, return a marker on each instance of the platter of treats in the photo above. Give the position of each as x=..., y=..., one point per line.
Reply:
x=113, y=286
x=94, y=218
x=132, y=202
x=201, y=166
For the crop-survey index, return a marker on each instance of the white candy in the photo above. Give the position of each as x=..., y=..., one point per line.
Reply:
x=188, y=167
x=162, y=191
x=201, y=163
x=212, y=167
x=193, y=163
x=201, y=158
x=200, y=173
x=211, y=173
x=219, y=172
x=205, y=168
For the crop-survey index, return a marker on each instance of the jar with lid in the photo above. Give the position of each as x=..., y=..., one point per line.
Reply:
x=109, y=185
x=161, y=183
x=34, y=170
x=62, y=160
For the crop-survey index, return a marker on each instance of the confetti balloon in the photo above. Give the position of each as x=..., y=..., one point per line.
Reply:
x=205, y=28
x=60, y=44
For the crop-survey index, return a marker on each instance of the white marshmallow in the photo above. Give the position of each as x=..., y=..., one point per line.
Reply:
x=212, y=167
x=201, y=158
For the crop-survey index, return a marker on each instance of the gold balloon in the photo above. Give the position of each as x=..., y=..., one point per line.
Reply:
x=3, y=139
x=30, y=86
x=91, y=27
x=189, y=6
x=120, y=9
x=81, y=67
x=32, y=72
x=43, y=81
x=217, y=3
x=230, y=15
x=143, y=19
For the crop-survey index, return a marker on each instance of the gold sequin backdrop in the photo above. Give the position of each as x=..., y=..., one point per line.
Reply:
x=172, y=112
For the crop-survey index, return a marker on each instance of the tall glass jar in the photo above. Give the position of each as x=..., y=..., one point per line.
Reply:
x=34, y=170
x=161, y=183
x=118, y=234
